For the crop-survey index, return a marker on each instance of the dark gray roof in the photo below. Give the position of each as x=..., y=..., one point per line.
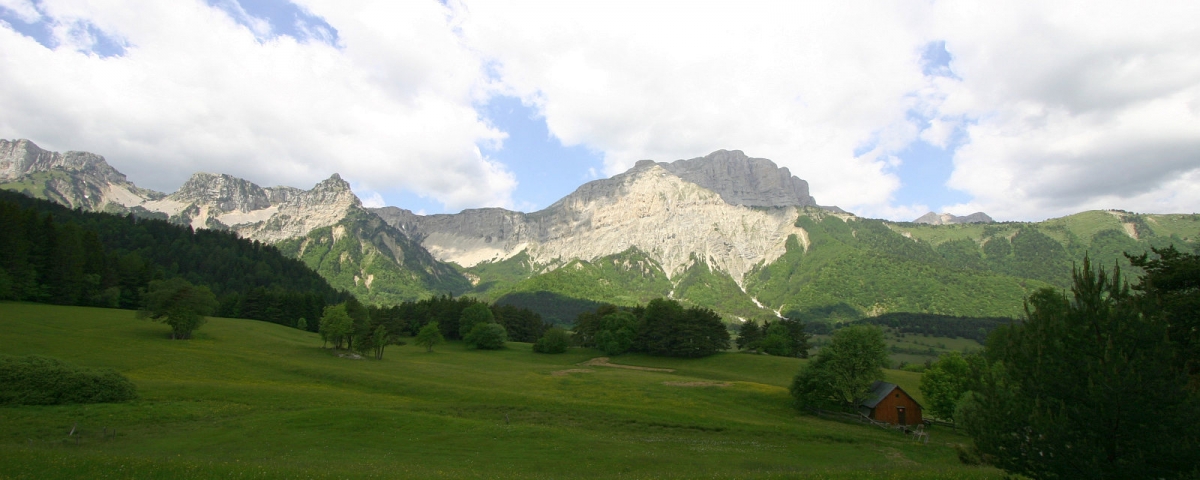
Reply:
x=880, y=390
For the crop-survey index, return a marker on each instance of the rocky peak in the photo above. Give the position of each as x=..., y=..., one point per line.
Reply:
x=225, y=192
x=743, y=180
x=948, y=219
x=332, y=190
x=22, y=157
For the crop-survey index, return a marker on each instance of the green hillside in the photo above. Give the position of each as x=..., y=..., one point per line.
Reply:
x=855, y=267
x=627, y=278
x=374, y=261
x=252, y=399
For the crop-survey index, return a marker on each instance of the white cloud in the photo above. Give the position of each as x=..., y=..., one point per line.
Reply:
x=1074, y=106
x=1053, y=107
x=390, y=107
x=371, y=199
x=24, y=9
x=801, y=83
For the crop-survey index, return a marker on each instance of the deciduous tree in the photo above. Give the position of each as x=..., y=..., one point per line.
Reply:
x=336, y=326
x=179, y=304
x=429, y=336
x=843, y=371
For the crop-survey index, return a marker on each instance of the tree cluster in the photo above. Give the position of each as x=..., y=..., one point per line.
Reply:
x=782, y=337
x=52, y=254
x=1098, y=383
x=350, y=326
x=663, y=327
x=408, y=318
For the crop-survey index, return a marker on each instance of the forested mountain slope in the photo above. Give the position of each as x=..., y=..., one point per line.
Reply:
x=52, y=254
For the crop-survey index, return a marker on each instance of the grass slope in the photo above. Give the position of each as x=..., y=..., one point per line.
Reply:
x=248, y=399
x=374, y=261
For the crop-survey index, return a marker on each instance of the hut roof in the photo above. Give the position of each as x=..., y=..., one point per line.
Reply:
x=879, y=390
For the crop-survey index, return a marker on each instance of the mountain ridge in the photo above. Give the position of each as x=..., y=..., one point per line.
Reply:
x=719, y=231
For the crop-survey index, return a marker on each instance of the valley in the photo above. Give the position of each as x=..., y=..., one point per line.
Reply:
x=249, y=399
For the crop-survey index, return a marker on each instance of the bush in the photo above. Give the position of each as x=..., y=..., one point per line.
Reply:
x=555, y=340
x=36, y=380
x=486, y=336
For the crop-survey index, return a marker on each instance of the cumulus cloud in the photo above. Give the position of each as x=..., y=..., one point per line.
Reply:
x=823, y=89
x=1074, y=106
x=1049, y=107
x=391, y=106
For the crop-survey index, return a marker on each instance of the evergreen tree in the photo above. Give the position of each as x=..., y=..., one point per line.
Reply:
x=749, y=337
x=1089, y=386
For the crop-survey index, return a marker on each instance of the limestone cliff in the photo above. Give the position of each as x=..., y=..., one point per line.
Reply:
x=650, y=207
x=76, y=179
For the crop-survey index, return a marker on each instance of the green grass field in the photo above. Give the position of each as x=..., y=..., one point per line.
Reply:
x=248, y=399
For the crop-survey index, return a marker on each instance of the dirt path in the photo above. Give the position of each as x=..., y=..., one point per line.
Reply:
x=697, y=384
x=563, y=373
x=603, y=362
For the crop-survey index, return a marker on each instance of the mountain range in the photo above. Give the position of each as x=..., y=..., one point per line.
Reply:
x=725, y=231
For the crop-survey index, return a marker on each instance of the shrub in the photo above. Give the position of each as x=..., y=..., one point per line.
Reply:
x=36, y=380
x=486, y=336
x=555, y=340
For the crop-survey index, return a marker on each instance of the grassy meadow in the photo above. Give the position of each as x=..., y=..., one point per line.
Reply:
x=249, y=399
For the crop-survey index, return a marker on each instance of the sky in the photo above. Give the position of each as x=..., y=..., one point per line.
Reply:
x=1025, y=110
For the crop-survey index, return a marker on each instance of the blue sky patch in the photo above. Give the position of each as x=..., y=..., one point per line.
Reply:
x=42, y=31
x=272, y=18
x=545, y=169
x=935, y=60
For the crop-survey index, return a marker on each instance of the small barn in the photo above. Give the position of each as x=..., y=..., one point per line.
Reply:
x=888, y=403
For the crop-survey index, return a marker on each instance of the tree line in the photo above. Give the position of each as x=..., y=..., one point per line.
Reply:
x=662, y=327
x=52, y=254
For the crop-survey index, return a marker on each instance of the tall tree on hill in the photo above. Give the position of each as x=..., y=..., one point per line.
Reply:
x=1089, y=386
x=843, y=370
x=336, y=326
x=179, y=304
x=749, y=337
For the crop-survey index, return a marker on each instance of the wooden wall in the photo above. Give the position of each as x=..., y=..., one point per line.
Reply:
x=886, y=411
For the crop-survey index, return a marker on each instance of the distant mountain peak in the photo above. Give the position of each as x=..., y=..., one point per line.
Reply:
x=742, y=180
x=948, y=219
x=23, y=157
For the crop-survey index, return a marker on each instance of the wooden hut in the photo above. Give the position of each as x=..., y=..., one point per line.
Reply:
x=888, y=403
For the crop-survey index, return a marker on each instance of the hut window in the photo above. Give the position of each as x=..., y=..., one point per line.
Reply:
x=897, y=395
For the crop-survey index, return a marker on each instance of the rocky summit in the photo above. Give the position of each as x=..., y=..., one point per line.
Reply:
x=76, y=179
x=676, y=213
x=948, y=219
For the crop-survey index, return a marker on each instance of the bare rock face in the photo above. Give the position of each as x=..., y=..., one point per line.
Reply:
x=948, y=219
x=268, y=215
x=228, y=193
x=741, y=180
x=650, y=207
x=75, y=179
x=304, y=211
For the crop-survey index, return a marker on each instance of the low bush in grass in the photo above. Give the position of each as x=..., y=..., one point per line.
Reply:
x=486, y=336
x=555, y=340
x=36, y=380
